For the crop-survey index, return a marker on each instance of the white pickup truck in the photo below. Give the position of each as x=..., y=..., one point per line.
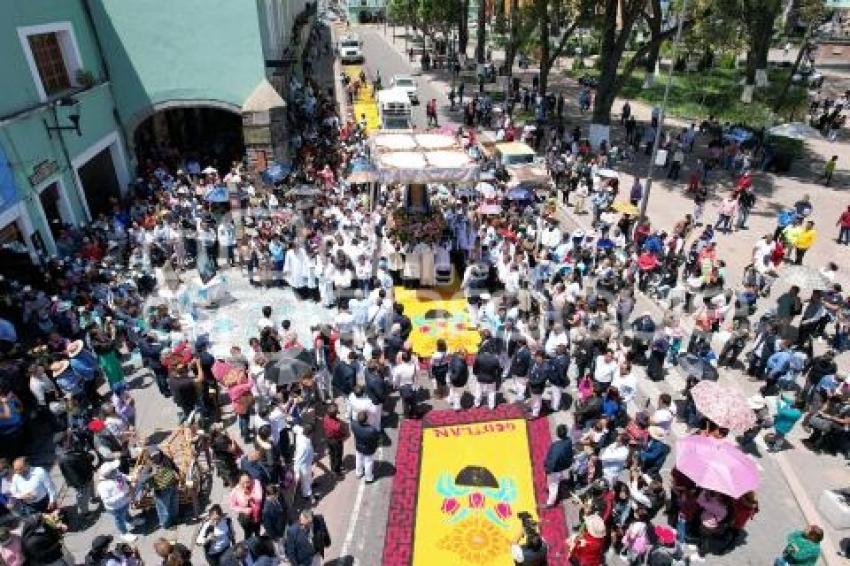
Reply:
x=351, y=49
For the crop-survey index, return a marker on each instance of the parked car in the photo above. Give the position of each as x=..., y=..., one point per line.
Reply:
x=407, y=84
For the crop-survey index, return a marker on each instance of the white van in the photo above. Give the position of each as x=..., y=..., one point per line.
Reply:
x=350, y=49
x=394, y=109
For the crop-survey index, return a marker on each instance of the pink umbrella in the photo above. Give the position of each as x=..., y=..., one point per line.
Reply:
x=723, y=406
x=490, y=209
x=717, y=465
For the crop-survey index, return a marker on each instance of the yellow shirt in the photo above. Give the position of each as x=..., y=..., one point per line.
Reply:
x=806, y=238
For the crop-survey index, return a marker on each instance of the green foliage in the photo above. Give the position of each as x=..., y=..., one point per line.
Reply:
x=693, y=96
x=578, y=64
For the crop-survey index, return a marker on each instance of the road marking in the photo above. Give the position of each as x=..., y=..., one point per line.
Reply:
x=355, y=515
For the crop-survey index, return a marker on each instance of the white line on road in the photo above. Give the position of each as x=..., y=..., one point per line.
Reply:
x=355, y=515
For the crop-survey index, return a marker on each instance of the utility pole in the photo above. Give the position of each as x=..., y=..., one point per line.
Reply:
x=645, y=200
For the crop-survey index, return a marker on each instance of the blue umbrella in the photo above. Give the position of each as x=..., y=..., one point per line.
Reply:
x=218, y=193
x=362, y=171
x=604, y=244
x=519, y=193
x=276, y=172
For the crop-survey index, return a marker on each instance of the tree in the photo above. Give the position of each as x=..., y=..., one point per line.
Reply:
x=811, y=13
x=402, y=12
x=463, y=27
x=522, y=24
x=437, y=16
x=614, y=72
x=759, y=17
x=481, y=32
x=564, y=17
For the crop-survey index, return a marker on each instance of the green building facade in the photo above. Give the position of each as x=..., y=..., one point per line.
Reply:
x=83, y=78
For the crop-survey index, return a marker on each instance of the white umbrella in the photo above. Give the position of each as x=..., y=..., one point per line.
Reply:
x=608, y=173
x=209, y=170
x=795, y=130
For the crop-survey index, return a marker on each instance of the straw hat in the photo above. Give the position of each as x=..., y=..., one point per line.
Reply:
x=57, y=368
x=74, y=348
x=595, y=526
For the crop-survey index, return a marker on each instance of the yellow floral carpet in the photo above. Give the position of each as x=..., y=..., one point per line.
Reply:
x=435, y=314
x=364, y=102
x=470, y=493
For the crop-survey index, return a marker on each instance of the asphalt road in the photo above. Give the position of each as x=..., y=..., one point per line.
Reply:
x=382, y=57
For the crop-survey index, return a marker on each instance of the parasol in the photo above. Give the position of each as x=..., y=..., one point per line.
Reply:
x=717, y=465
x=218, y=193
x=604, y=243
x=608, y=174
x=305, y=191
x=287, y=370
x=489, y=209
x=276, y=172
x=725, y=407
x=647, y=261
x=805, y=277
x=795, y=130
x=624, y=207
x=694, y=366
x=520, y=193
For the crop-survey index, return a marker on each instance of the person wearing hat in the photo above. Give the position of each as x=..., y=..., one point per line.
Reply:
x=115, y=492
x=11, y=551
x=653, y=455
x=70, y=382
x=587, y=548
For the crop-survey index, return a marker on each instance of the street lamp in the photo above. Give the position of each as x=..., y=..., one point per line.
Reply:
x=73, y=117
x=645, y=200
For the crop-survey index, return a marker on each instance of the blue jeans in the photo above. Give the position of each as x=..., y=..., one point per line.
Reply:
x=844, y=235
x=167, y=506
x=122, y=517
x=743, y=216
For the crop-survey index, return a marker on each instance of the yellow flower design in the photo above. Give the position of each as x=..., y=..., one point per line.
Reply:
x=476, y=541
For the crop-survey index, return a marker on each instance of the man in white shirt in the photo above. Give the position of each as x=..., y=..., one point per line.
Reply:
x=266, y=320
x=116, y=494
x=606, y=369
x=664, y=414
x=303, y=460
x=557, y=337
x=613, y=458
x=33, y=487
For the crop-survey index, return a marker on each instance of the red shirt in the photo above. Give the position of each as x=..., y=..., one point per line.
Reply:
x=334, y=428
x=844, y=219
x=589, y=551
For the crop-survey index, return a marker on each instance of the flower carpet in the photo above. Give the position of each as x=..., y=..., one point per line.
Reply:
x=461, y=480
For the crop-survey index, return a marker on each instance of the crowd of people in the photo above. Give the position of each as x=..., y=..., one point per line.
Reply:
x=556, y=310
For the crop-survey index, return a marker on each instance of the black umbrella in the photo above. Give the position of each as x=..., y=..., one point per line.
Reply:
x=695, y=366
x=284, y=371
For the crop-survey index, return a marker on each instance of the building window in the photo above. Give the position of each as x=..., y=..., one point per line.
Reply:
x=49, y=61
x=53, y=57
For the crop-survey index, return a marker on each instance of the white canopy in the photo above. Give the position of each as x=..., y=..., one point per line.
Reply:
x=422, y=158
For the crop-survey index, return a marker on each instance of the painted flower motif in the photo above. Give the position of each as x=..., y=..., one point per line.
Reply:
x=460, y=326
x=503, y=510
x=425, y=329
x=476, y=500
x=442, y=324
x=450, y=506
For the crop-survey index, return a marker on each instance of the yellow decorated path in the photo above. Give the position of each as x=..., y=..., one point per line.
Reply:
x=470, y=493
x=437, y=315
x=364, y=102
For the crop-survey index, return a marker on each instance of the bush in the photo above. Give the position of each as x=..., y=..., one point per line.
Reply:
x=727, y=61
x=578, y=64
